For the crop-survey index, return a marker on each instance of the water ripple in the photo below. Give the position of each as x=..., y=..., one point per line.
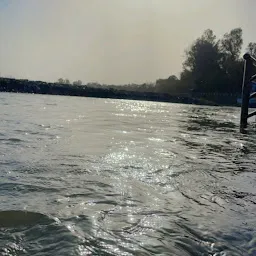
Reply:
x=84, y=176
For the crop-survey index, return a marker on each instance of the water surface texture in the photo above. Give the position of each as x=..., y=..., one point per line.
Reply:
x=84, y=176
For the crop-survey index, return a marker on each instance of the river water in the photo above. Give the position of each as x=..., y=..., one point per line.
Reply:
x=84, y=176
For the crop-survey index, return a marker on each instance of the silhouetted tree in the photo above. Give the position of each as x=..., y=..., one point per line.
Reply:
x=78, y=82
x=231, y=43
x=61, y=81
x=231, y=63
x=168, y=85
x=203, y=61
x=212, y=65
x=67, y=81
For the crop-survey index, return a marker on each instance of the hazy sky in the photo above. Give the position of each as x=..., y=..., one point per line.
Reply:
x=110, y=41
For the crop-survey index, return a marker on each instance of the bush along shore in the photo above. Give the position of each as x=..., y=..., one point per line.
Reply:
x=39, y=87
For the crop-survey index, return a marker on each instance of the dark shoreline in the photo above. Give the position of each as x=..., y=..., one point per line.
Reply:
x=39, y=87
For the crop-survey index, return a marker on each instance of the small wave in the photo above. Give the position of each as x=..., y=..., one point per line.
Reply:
x=34, y=233
x=51, y=104
x=16, y=140
x=156, y=139
x=21, y=218
x=26, y=188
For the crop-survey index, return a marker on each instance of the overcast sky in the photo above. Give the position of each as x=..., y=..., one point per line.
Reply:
x=110, y=41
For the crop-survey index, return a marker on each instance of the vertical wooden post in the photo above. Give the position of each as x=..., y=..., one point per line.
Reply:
x=248, y=69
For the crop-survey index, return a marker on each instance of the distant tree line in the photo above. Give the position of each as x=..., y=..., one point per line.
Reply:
x=211, y=66
x=66, y=81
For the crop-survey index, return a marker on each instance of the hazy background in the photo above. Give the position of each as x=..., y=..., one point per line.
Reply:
x=110, y=41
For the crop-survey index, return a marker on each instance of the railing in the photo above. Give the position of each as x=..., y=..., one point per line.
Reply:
x=248, y=77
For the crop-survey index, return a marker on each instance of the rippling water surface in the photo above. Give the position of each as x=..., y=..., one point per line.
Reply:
x=83, y=176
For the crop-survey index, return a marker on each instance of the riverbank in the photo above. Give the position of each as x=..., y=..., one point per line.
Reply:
x=39, y=87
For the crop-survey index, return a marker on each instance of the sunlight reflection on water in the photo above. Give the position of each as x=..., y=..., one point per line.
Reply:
x=117, y=177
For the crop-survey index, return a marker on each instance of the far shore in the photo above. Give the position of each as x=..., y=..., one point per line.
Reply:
x=39, y=87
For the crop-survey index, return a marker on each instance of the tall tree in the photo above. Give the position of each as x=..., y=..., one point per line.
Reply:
x=231, y=63
x=231, y=43
x=202, y=60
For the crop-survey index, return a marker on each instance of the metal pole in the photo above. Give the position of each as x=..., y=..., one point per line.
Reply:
x=248, y=68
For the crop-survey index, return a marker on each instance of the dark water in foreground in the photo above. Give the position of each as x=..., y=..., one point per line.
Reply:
x=83, y=176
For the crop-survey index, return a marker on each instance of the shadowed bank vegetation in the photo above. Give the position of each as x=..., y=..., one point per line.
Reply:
x=211, y=74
